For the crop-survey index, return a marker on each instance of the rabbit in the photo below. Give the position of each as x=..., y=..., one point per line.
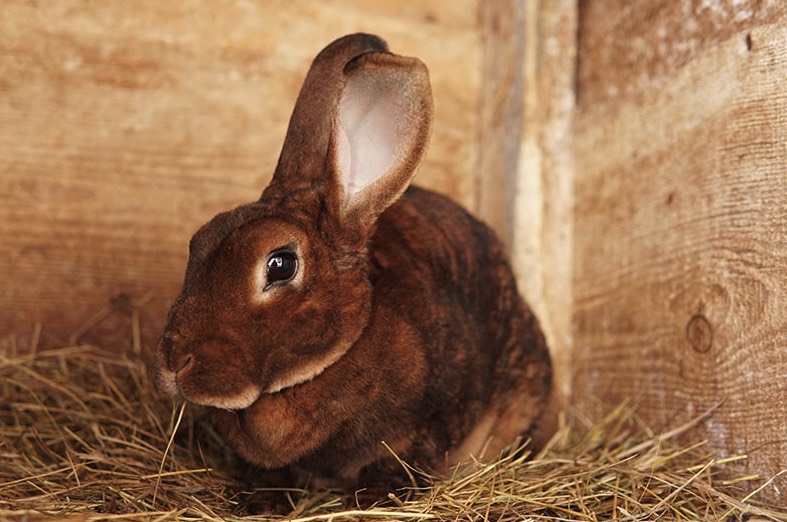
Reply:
x=346, y=320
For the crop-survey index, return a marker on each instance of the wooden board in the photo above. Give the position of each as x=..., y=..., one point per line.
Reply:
x=127, y=125
x=543, y=199
x=680, y=273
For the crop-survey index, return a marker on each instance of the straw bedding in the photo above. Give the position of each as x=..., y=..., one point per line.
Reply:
x=82, y=437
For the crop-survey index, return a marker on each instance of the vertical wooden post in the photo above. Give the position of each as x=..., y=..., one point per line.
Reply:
x=525, y=178
x=502, y=38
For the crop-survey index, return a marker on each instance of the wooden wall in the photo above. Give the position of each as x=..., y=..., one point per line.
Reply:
x=680, y=227
x=127, y=125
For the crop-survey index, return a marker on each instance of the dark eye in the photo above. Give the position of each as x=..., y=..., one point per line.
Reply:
x=282, y=266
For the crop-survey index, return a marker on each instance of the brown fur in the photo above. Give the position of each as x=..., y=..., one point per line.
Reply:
x=404, y=324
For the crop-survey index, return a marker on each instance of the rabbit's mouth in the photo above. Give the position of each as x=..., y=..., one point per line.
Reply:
x=173, y=384
x=180, y=383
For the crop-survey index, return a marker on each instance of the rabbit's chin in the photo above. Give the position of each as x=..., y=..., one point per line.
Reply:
x=240, y=401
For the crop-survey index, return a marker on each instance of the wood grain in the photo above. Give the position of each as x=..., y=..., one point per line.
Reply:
x=126, y=126
x=680, y=273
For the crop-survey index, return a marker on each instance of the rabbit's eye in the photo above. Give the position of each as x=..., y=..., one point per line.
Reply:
x=282, y=266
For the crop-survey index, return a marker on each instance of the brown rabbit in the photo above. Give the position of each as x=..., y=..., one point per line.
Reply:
x=343, y=310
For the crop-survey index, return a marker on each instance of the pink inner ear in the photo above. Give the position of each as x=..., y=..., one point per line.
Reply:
x=368, y=141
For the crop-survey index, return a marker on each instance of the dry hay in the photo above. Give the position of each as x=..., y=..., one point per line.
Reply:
x=83, y=437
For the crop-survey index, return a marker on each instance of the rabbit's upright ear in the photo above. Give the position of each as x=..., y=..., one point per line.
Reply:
x=359, y=129
x=380, y=133
x=302, y=160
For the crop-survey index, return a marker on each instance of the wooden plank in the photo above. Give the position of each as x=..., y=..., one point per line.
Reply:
x=127, y=126
x=542, y=197
x=680, y=274
x=501, y=105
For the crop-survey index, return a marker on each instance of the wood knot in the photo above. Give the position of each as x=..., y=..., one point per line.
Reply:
x=699, y=332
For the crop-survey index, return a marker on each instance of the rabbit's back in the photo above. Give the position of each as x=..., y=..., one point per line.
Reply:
x=488, y=370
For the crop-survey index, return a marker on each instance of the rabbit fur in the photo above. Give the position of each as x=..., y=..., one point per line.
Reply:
x=401, y=322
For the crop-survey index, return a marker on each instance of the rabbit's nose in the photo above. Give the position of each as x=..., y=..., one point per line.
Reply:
x=168, y=340
x=177, y=358
x=181, y=362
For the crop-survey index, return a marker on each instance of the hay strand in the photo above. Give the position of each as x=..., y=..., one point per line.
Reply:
x=83, y=438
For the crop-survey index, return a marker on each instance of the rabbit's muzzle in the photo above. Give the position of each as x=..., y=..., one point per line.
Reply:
x=204, y=373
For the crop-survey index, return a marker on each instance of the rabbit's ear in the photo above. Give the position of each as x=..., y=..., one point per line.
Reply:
x=303, y=154
x=381, y=131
